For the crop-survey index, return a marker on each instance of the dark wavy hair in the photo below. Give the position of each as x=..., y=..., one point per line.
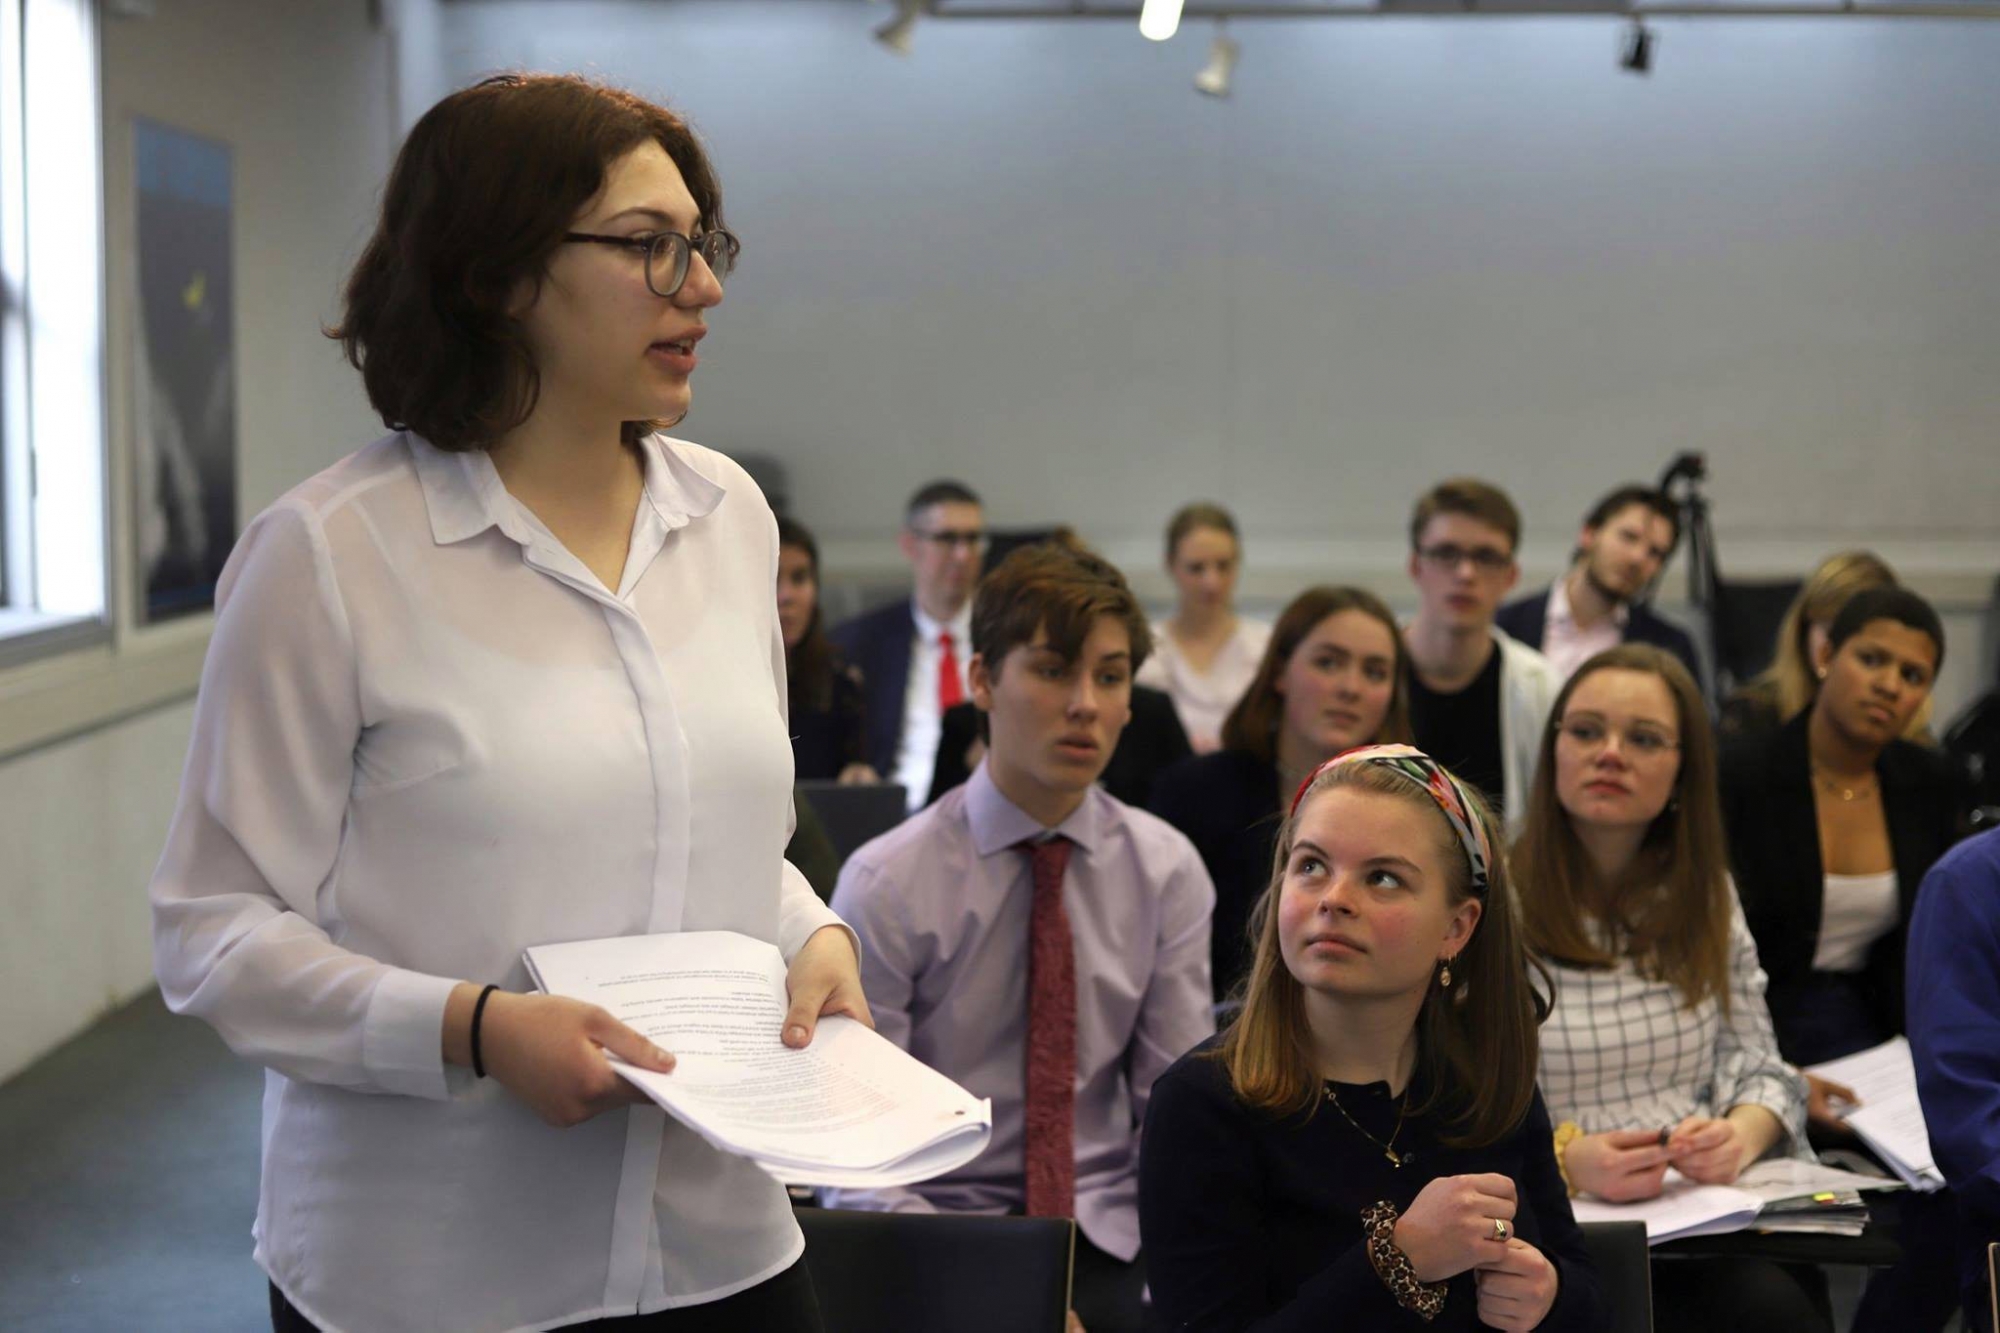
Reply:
x=478, y=200
x=810, y=663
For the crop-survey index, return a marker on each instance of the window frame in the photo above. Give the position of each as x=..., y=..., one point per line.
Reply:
x=56, y=537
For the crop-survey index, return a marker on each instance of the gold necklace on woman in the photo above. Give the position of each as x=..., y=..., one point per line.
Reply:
x=1833, y=788
x=1389, y=1148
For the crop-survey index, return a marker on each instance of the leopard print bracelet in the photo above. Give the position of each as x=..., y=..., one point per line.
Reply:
x=1378, y=1225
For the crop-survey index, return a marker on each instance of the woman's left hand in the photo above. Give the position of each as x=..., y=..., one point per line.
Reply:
x=1709, y=1152
x=824, y=978
x=1516, y=1288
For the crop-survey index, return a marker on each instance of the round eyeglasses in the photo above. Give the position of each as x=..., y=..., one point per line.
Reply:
x=668, y=254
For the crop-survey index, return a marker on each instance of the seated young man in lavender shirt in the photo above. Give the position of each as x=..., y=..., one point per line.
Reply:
x=1034, y=938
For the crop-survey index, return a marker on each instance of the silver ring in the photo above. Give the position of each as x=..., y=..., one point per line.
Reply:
x=1500, y=1231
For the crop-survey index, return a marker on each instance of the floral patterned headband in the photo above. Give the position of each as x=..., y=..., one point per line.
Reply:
x=1436, y=783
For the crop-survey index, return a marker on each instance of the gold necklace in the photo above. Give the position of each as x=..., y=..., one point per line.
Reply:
x=1833, y=788
x=1389, y=1148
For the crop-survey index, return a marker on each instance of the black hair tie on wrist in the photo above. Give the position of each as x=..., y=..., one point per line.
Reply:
x=478, y=1012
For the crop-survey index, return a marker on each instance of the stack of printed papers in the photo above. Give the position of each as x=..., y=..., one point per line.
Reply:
x=851, y=1109
x=1888, y=1117
x=1778, y=1194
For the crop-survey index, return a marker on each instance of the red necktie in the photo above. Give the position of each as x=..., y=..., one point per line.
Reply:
x=1051, y=1075
x=950, y=689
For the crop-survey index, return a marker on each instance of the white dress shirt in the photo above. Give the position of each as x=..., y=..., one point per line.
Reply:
x=1203, y=699
x=427, y=737
x=923, y=720
x=1569, y=645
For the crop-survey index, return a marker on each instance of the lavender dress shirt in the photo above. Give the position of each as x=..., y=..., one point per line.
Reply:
x=941, y=906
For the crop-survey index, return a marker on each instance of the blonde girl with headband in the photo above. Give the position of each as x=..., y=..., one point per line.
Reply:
x=1363, y=1146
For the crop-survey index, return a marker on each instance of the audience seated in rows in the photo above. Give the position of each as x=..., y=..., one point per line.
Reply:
x=1627, y=539
x=1036, y=939
x=1658, y=1051
x=826, y=712
x=1331, y=678
x=1954, y=1020
x=912, y=655
x=1205, y=653
x=1479, y=698
x=1833, y=823
x=1363, y=1146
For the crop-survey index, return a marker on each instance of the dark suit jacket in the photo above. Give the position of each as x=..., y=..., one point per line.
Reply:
x=1767, y=807
x=879, y=643
x=1528, y=620
x=1151, y=742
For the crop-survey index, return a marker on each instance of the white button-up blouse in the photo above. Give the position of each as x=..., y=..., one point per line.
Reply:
x=428, y=737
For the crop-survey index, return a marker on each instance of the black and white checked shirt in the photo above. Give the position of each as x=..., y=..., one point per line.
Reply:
x=1620, y=1051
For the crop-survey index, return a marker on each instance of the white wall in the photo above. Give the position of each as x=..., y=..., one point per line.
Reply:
x=1031, y=255
x=302, y=93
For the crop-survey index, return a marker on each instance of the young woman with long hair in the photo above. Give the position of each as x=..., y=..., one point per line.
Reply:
x=1331, y=678
x=1658, y=1051
x=827, y=698
x=1363, y=1146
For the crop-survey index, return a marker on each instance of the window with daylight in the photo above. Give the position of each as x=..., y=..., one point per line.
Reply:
x=52, y=449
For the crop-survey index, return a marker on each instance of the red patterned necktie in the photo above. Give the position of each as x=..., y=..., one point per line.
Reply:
x=1051, y=1074
x=950, y=689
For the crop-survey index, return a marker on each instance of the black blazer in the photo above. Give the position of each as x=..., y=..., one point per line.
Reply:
x=879, y=643
x=826, y=740
x=1767, y=807
x=1152, y=741
x=1528, y=620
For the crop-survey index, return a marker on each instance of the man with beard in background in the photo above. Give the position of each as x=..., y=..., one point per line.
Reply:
x=1626, y=541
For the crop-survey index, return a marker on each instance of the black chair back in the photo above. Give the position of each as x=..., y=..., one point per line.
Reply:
x=1744, y=626
x=880, y=1271
x=1624, y=1273
x=854, y=813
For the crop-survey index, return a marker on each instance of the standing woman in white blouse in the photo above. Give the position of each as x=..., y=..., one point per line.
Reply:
x=509, y=675
x=1205, y=655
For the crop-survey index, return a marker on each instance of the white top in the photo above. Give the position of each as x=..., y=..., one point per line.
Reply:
x=1568, y=645
x=1203, y=699
x=1857, y=911
x=923, y=720
x=426, y=738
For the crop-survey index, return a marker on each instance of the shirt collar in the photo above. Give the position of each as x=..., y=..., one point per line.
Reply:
x=465, y=496
x=997, y=823
x=1559, y=612
x=928, y=629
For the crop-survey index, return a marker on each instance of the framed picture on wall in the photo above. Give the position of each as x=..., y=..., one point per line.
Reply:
x=184, y=371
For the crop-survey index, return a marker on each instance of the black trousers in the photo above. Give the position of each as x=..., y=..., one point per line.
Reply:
x=1107, y=1293
x=783, y=1304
